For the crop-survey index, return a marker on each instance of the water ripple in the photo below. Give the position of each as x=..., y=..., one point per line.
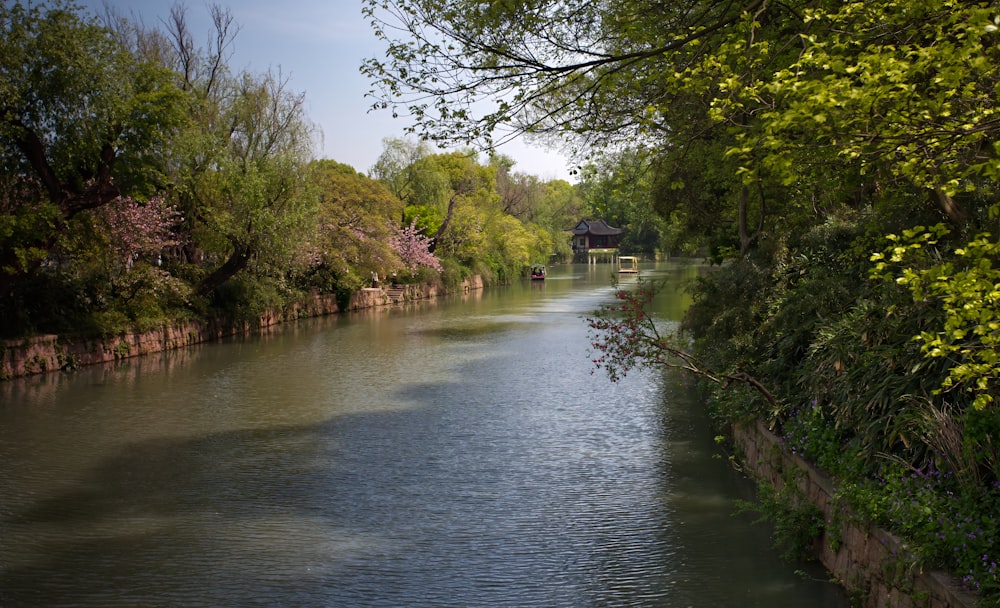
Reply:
x=409, y=459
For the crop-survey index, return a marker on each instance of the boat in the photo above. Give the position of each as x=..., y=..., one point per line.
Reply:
x=628, y=264
x=538, y=272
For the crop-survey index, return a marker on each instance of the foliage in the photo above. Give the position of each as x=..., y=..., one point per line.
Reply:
x=797, y=522
x=795, y=328
x=80, y=115
x=398, y=167
x=486, y=217
x=355, y=219
x=624, y=336
x=256, y=193
x=728, y=307
x=812, y=434
x=889, y=82
x=619, y=190
x=948, y=525
x=249, y=295
x=601, y=69
x=967, y=287
x=413, y=248
x=27, y=223
x=145, y=178
x=695, y=188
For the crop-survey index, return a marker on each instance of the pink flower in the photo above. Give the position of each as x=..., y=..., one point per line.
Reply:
x=413, y=247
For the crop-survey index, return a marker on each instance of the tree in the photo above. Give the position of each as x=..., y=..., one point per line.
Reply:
x=901, y=90
x=619, y=190
x=442, y=184
x=463, y=70
x=603, y=76
x=519, y=193
x=357, y=216
x=258, y=194
x=626, y=336
x=900, y=94
x=240, y=174
x=397, y=165
x=413, y=248
x=134, y=229
x=80, y=119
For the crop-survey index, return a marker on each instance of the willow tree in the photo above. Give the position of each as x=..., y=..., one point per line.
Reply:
x=397, y=166
x=240, y=173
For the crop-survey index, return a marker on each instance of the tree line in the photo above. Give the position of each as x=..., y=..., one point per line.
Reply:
x=837, y=160
x=143, y=179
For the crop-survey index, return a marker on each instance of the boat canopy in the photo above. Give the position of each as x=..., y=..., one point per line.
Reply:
x=628, y=264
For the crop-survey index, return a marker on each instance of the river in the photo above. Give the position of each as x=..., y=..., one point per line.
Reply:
x=458, y=452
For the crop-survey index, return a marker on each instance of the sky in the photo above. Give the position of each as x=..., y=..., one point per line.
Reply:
x=319, y=45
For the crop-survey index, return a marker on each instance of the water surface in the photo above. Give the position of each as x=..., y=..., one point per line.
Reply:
x=453, y=453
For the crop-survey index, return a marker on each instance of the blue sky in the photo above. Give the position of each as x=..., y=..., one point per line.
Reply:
x=320, y=44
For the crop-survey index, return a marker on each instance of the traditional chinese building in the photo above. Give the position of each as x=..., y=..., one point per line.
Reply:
x=596, y=240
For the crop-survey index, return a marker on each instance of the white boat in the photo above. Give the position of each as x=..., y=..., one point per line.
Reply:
x=628, y=264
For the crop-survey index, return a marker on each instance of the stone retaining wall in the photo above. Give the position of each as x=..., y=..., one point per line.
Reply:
x=871, y=564
x=40, y=354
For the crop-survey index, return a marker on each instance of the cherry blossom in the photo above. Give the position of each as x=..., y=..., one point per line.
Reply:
x=413, y=247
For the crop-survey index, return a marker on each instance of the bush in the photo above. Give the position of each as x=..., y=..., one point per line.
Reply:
x=949, y=525
x=246, y=297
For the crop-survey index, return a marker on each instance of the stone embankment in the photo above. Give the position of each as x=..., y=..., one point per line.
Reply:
x=46, y=353
x=872, y=564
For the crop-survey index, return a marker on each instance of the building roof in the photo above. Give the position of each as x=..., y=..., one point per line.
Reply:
x=596, y=227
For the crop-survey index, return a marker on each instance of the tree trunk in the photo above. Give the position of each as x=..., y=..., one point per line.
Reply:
x=237, y=261
x=95, y=190
x=957, y=214
x=444, y=224
x=746, y=237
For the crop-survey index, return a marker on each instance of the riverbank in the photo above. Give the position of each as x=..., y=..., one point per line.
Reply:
x=873, y=565
x=50, y=353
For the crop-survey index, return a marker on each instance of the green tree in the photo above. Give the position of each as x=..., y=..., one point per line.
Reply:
x=599, y=70
x=240, y=173
x=82, y=122
x=442, y=184
x=604, y=76
x=356, y=219
x=398, y=164
x=560, y=207
x=619, y=190
x=901, y=90
x=80, y=119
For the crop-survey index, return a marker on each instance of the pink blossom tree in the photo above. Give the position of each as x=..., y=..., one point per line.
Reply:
x=135, y=229
x=413, y=247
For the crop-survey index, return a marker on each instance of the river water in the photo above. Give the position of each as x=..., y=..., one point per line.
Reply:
x=450, y=453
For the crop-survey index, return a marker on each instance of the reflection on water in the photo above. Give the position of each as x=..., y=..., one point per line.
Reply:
x=454, y=453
